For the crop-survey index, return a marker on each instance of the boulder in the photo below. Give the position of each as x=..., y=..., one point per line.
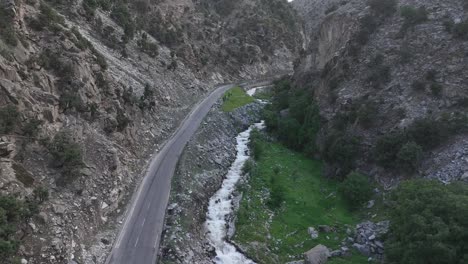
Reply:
x=317, y=255
x=325, y=229
x=363, y=249
x=312, y=232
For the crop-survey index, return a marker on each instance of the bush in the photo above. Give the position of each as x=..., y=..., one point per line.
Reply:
x=342, y=149
x=66, y=153
x=383, y=7
x=431, y=75
x=49, y=17
x=255, y=144
x=356, y=189
x=147, y=47
x=14, y=214
x=7, y=30
x=418, y=86
x=277, y=193
x=428, y=223
x=460, y=30
x=436, y=89
x=90, y=7
x=409, y=156
x=368, y=26
x=413, y=16
x=379, y=76
x=41, y=194
x=387, y=147
x=9, y=117
x=31, y=127
x=121, y=15
x=122, y=121
x=428, y=133
x=248, y=166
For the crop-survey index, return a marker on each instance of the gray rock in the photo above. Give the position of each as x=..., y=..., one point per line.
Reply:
x=325, y=228
x=464, y=176
x=312, y=232
x=59, y=209
x=317, y=255
x=363, y=249
x=336, y=253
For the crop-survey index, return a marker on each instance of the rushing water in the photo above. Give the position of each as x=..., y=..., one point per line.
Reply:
x=221, y=205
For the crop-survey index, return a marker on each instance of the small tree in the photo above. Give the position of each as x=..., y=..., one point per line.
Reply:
x=356, y=189
x=41, y=194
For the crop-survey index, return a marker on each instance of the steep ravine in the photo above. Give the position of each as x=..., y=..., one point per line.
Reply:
x=199, y=175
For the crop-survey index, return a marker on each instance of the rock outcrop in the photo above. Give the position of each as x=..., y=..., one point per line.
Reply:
x=380, y=72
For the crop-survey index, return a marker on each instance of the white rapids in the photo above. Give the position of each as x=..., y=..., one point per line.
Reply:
x=221, y=205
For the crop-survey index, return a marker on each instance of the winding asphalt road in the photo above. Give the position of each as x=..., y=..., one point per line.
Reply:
x=139, y=237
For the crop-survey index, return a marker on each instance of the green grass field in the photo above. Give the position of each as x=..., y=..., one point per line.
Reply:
x=234, y=98
x=281, y=235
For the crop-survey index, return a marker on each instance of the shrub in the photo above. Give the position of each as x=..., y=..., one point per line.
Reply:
x=460, y=30
x=428, y=133
x=409, y=156
x=121, y=15
x=383, y=7
x=9, y=117
x=49, y=17
x=81, y=42
x=248, y=166
x=41, y=194
x=431, y=75
x=66, y=153
x=436, y=89
x=90, y=7
x=7, y=30
x=70, y=100
x=413, y=16
x=31, y=127
x=387, y=147
x=428, y=223
x=100, y=60
x=147, y=47
x=379, y=76
x=122, y=120
x=368, y=26
x=277, y=193
x=366, y=114
x=13, y=213
x=341, y=148
x=418, y=86
x=356, y=189
x=255, y=144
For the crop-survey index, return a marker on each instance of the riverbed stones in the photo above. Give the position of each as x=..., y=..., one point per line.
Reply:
x=317, y=255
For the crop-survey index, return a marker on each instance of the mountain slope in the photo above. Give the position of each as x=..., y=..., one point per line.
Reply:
x=90, y=89
x=391, y=75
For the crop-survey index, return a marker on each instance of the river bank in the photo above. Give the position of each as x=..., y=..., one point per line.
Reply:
x=200, y=172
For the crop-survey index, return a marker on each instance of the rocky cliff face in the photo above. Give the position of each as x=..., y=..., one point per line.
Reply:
x=391, y=76
x=90, y=89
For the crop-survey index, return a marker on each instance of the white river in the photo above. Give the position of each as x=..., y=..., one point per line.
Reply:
x=221, y=205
